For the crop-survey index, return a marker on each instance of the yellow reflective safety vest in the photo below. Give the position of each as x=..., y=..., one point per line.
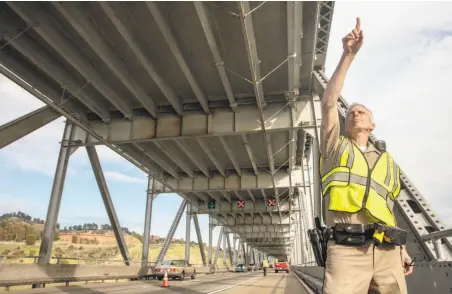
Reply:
x=353, y=186
x=265, y=263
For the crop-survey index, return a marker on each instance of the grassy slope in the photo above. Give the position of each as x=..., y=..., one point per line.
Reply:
x=109, y=252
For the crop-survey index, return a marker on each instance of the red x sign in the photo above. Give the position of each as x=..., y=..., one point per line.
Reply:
x=271, y=202
x=241, y=203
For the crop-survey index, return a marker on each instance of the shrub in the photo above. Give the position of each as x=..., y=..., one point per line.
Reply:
x=30, y=240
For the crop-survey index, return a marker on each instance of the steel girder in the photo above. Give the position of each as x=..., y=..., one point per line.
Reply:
x=301, y=28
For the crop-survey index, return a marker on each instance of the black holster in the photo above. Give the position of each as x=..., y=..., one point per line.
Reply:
x=319, y=237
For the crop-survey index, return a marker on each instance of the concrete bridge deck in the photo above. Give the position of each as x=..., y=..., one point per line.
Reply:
x=226, y=283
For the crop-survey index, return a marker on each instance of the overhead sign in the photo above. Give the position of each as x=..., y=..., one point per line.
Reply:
x=211, y=204
x=241, y=203
x=271, y=202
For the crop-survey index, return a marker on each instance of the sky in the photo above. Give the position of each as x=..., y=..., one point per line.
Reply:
x=403, y=73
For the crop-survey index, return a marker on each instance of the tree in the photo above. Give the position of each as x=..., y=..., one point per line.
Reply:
x=31, y=239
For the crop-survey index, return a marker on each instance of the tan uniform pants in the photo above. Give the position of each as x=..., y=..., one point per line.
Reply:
x=364, y=269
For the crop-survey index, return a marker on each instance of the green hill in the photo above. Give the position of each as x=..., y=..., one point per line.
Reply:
x=92, y=243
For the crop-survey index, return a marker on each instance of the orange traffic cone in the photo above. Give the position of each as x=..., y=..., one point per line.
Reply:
x=165, y=280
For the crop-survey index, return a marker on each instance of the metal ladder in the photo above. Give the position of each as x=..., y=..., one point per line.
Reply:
x=171, y=232
x=413, y=207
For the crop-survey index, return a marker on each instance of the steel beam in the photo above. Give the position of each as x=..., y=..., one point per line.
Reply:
x=211, y=227
x=246, y=21
x=76, y=17
x=251, y=49
x=308, y=44
x=232, y=182
x=49, y=32
x=188, y=233
x=169, y=93
x=225, y=235
x=257, y=220
x=45, y=251
x=220, y=236
x=246, y=120
x=26, y=124
x=294, y=36
x=103, y=188
x=200, y=242
x=246, y=228
x=172, y=230
x=208, y=31
x=35, y=84
x=44, y=62
x=264, y=235
x=228, y=241
x=250, y=153
x=147, y=222
x=260, y=206
x=165, y=28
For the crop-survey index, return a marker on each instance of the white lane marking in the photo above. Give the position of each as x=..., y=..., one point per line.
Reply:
x=235, y=285
x=306, y=287
x=206, y=278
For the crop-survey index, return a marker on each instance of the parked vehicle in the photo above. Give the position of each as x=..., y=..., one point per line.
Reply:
x=178, y=268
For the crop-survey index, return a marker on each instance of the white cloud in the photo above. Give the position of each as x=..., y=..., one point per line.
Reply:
x=119, y=177
x=38, y=152
x=404, y=73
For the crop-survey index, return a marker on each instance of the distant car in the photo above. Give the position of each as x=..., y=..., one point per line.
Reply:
x=281, y=267
x=241, y=268
x=251, y=267
x=178, y=268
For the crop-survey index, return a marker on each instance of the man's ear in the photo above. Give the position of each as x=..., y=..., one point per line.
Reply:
x=372, y=127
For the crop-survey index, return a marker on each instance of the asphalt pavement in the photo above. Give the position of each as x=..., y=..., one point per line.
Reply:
x=228, y=283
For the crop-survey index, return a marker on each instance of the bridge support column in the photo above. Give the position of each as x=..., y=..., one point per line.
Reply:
x=220, y=236
x=187, y=233
x=225, y=235
x=200, y=242
x=147, y=222
x=45, y=250
x=211, y=226
x=235, y=246
x=231, y=257
x=103, y=188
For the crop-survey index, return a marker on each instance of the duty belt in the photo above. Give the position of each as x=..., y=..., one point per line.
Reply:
x=358, y=234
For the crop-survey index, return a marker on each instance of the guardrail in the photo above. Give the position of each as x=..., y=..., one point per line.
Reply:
x=26, y=274
x=311, y=275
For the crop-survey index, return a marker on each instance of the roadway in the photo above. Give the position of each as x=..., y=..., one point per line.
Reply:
x=230, y=283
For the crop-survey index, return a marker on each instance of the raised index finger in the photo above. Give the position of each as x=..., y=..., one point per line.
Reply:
x=358, y=24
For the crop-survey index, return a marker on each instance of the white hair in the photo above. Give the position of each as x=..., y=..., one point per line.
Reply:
x=359, y=104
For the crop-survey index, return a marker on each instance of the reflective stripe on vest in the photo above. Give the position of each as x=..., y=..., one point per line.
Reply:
x=352, y=186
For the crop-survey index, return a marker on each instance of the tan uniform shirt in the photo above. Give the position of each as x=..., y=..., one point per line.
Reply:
x=329, y=148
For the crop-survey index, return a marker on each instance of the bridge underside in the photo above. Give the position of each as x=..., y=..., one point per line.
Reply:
x=213, y=100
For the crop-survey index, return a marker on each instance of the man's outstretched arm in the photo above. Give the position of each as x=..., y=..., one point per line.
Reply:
x=330, y=119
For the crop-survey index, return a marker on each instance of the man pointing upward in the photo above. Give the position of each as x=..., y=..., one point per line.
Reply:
x=360, y=184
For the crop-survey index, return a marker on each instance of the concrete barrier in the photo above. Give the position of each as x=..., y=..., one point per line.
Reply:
x=23, y=274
